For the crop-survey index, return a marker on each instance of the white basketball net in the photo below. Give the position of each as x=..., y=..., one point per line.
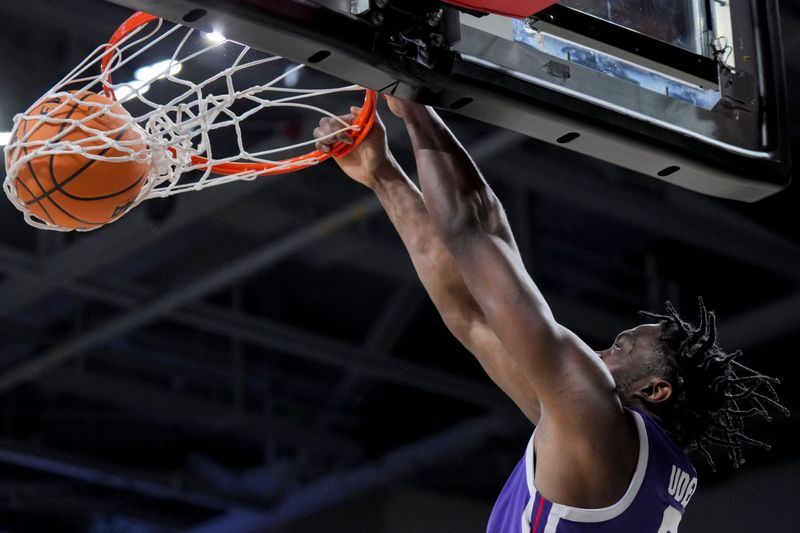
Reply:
x=181, y=118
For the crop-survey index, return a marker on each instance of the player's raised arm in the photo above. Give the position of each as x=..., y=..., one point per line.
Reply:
x=373, y=165
x=569, y=378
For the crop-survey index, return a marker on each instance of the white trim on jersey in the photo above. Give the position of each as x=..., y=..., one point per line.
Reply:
x=553, y=518
x=526, y=513
x=525, y=522
x=529, y=453
x=575, y=514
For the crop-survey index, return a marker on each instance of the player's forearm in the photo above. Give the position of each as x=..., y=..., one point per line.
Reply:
x=439, y=273
x=472, y=223
x=434, y=264
x=456, y=194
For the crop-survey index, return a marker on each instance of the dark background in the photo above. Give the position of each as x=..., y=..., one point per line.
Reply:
x=262, y=357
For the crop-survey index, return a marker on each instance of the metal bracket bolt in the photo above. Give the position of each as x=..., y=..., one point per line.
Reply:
x=437, y=40
x=435, y=18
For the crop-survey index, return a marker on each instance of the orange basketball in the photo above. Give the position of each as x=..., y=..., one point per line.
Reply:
x=71, y=190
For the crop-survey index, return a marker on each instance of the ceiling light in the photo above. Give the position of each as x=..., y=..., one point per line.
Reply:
x=125, y=90
x=158, y=70
x=215, y=37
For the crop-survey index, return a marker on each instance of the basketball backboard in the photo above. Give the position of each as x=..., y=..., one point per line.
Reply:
x=688, y=91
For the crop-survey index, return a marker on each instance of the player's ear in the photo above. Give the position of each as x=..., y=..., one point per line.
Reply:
x=654, y=390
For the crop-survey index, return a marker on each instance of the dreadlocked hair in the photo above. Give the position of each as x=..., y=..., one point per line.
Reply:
x=712, y=392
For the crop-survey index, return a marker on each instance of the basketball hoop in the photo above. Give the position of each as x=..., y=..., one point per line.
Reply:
x=179, y=120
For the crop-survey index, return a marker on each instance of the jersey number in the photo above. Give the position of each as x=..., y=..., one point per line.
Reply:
x=669, y=523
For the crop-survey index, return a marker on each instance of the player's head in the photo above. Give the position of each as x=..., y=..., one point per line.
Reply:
x=701, y=394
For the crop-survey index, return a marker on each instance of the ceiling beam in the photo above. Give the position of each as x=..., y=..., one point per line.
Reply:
x=271, y=335
x=399, y=464
x=189, y=292
x=674, y=213
x=386, y=330
x=311, y=346
x=183, y=410
x=91, y=472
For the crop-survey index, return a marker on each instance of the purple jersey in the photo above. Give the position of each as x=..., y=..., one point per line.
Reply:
x=656, y=498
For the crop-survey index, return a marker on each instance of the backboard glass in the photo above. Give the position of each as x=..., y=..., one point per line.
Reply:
x=688, y=91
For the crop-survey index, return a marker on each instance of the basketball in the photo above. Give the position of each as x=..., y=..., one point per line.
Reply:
x=66, y=188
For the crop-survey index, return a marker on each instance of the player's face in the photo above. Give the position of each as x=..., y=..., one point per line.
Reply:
x=630, y=353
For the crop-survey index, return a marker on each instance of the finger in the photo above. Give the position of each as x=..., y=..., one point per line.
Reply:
x=331, y=125
x=323, y=144
x=344, y=137
x=326, y=130
x=326, y=123
x=319, y=133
